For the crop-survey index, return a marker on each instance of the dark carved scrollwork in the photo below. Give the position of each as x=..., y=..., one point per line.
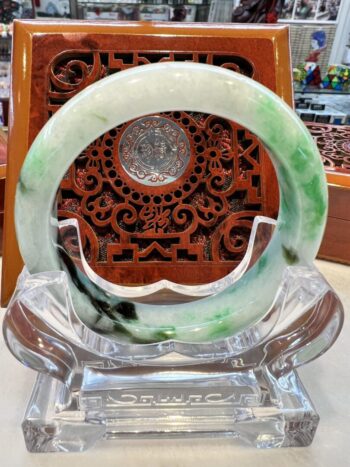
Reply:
x=198, y=205
x=73, y=71
x=333, y=142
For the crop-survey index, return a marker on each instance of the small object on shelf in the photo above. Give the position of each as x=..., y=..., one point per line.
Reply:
x=179, y=13
x=313, y=75
x=326, y=105
x=318, y=45
x=337, y=78
x=4, y=102
x=308, y=74
x=320, y=118
x=154, y=12
x=257, y=11
x=111, y=11
x=52, y=9
x=5, y=30
x=318, y=106
x=338, y=119
x=11, y=10
x=8, y=11
x=302, y=105
x=4, y=86
x=307, y=117
x=310, y=10
x=183, y=13
x=299, y=74
x=319, y=112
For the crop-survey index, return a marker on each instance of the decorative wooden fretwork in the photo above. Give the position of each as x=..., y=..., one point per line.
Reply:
x=53, y=61
x=195, y=211
x=333, y=142
x=72, y=71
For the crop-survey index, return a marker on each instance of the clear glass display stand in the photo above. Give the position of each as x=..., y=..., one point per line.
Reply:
x=91, y=387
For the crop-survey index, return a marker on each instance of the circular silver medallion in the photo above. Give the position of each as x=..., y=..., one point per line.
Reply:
x=154, y=151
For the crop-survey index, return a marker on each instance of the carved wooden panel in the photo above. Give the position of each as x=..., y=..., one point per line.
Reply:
x=151, y=238
x=140, y=224
x=333, y=142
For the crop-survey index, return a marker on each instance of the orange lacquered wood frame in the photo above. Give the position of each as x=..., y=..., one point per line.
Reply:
x=22, y=82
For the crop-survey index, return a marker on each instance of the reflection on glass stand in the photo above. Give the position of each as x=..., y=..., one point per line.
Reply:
x=90, y=387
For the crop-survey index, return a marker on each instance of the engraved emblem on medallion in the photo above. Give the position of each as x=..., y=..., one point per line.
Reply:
x=154, y=151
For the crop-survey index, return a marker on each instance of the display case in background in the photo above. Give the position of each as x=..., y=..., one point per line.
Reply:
x=5, y=65
x=191, y=11
x=305, y=18
x=3, y=149
x=119, y=10
x=318, y=27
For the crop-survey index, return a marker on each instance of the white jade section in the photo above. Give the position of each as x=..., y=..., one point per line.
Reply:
x=151, y=89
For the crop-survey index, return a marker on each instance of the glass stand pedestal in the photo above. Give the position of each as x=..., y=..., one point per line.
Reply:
x=254, y=407
x=246, y=387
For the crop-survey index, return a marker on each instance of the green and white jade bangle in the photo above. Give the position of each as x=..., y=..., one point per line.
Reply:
x=158, y=88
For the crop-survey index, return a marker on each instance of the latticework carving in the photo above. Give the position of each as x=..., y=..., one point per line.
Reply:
x=72, y=71
x=139, y=225
x=333, y=142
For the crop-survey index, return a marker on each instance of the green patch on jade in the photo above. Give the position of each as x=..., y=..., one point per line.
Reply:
x=290, y=255
x=21, y=185
x=101, y=118
x=165, y=334
x=262, y=263
x=220, y=329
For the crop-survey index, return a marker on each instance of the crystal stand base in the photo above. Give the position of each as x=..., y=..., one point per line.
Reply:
x=245, y=387
x=254, y=408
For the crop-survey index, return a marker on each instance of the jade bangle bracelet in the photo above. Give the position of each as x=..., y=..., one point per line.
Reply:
x=151, y=89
